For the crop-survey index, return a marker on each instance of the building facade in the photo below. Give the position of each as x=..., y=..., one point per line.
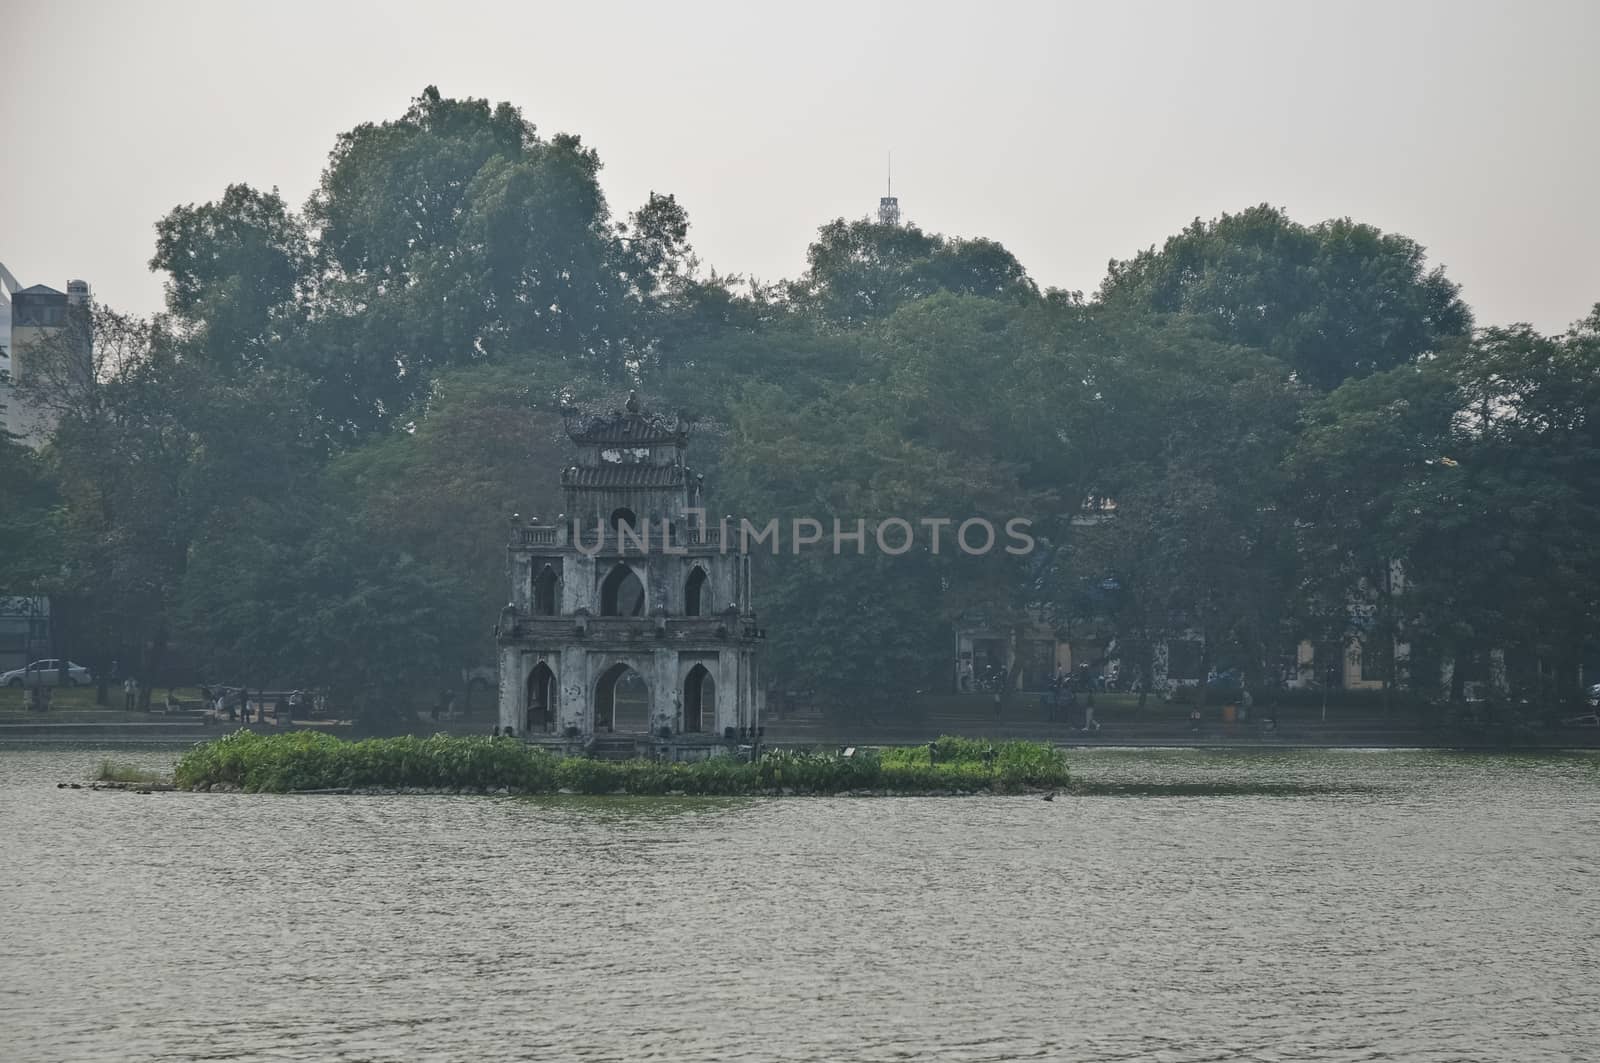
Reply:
x=38, y=317
x=631, y=616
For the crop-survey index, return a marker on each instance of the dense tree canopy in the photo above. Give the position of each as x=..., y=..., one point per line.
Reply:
x=301, y=472
x=235, y=269
x=1334, y=300
x=861, y=270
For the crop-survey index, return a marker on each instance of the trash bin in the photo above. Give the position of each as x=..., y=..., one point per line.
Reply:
x=1230, y=713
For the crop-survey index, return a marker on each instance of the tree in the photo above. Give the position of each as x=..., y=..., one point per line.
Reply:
x=1472, y=475
x=487, y=442
x=905, y=441
x=864, y=270
x=456, y=235
x=1193, y=542
x=236, y=269
x=1335, y=300
x=118, y=457
x=300, y=595
x=394, y=189
x=30, y=557
x=149, y=447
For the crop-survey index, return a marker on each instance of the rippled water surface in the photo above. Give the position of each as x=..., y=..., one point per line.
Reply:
x=1409, y=906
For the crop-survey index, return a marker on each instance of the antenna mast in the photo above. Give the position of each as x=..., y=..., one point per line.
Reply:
x=888, y=206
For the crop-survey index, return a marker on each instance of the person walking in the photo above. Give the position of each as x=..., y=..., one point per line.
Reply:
x=127, y=694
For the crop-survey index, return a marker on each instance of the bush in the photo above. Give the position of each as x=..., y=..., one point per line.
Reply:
x=121, y=771
x=305, y=760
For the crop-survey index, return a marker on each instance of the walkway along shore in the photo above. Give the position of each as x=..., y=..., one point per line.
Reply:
x=1158, y=726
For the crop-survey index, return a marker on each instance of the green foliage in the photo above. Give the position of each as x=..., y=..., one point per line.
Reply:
x=301, y=473
x=1332, y=301
x=500, y=243
x=306, y=760
x=862, y=270
x=484, y=445
x=1472, y=480
x=298, y=595
x=29, y=542
x=121, y=771
x=234, y=269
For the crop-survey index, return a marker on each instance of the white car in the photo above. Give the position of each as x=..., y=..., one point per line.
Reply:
x=46, y=673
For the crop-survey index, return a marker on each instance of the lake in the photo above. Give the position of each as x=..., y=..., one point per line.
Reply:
x=1406, y=905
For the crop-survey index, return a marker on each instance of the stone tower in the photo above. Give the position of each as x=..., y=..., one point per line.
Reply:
x=629, y=615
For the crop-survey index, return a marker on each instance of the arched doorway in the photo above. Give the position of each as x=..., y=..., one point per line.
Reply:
x=697, y=594
x=544, y=592
x=621, y=593
x=699, y=700
x=540, y=717
x=621, y=701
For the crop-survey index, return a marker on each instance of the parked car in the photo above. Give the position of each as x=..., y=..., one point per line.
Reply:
x=46, y=673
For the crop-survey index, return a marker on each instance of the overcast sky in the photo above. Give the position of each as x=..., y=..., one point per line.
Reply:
x=1072, y=133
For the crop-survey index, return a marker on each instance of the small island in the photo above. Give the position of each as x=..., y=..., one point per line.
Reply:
x=304, y=761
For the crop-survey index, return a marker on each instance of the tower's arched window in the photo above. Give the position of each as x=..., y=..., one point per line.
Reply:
x=623, y=515
x=544, y=592
x=697, y=594
x=699, y=700
x=621, y=700
x=540, y=712
x=621, y=593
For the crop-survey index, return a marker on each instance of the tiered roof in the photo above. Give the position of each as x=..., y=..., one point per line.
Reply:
x=629, y=426
x=618, y=475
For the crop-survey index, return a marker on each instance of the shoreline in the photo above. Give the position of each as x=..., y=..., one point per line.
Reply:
x=1071, y=789
x=135, y=736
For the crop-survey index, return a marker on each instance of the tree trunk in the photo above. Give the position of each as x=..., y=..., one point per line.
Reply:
x=1146, y=671
x=1388, y=678
x=158, y=654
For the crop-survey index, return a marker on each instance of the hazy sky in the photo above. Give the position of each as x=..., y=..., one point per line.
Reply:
x=1072, y=133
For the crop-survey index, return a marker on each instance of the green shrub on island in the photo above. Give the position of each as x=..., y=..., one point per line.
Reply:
x=306, y=760
x=123, y=772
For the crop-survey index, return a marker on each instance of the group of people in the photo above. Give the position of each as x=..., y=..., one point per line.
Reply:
x=37, y=698
x=1242, y=710
x=993, y=677
x=1062, y=697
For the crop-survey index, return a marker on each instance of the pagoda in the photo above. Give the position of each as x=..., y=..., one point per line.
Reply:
x=630, y=630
